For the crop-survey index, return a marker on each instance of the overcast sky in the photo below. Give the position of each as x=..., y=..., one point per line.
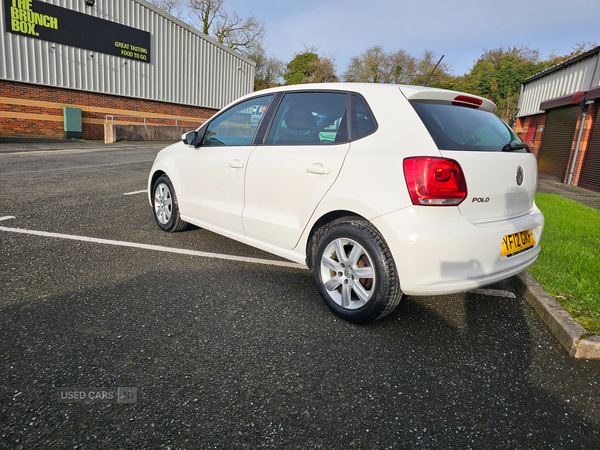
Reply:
x=460, y=29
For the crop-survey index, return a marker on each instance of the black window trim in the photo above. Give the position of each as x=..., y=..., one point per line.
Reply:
x=267, y=120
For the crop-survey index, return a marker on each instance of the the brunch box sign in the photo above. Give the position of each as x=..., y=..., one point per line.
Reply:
x=41, y=20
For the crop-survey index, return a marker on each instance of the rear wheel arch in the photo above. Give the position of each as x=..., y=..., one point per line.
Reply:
x=327, y=219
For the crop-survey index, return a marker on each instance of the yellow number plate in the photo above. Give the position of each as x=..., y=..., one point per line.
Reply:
x=517, y=242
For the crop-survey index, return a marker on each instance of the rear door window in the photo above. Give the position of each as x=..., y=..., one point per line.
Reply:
x=305, y=118
x=460, y=128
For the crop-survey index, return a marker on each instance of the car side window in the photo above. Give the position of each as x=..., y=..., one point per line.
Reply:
x=305, y=118
x=363, y=122
x=238, y=124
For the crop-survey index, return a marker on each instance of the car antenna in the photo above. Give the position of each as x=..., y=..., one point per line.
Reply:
x=436, y=66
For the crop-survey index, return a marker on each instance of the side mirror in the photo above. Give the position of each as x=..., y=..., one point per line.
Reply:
x=189, y=138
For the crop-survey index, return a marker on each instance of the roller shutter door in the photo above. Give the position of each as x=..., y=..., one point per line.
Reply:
x=557, y=142
x=590, y=172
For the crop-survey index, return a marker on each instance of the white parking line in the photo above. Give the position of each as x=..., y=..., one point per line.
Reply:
x=44, y=151
x=136, y=192
x=6, y=218
x=155, y=247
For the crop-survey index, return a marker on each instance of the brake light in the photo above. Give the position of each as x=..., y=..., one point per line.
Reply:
x=466, y=101
x=435, y=181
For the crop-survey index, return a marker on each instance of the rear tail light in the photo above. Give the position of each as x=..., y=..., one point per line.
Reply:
x=435, y=181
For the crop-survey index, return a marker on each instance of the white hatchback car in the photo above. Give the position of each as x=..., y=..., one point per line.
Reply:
x=379, y=189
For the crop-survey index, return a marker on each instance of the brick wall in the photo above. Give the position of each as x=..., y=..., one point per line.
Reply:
x=31, y=110
x=531, y=130
x=585, y=138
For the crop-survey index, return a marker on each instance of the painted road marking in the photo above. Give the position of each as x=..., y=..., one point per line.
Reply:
x=145, y=191
x=45, y=151
x=155, y=247
x=494, y=293
x=7, y=218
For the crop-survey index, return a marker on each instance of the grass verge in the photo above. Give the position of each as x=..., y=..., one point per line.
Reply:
x=569, y=264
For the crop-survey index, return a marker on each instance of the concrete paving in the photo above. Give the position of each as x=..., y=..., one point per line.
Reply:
x=584, y=196
x=232, y=354
x=17, y=144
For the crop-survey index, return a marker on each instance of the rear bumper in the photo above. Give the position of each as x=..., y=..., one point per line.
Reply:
x=437, y=251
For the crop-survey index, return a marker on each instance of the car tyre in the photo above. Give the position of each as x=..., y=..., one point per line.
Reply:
x=165, y=206
x=354, y=271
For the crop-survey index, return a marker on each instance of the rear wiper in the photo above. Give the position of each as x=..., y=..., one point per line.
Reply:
x=516, y=146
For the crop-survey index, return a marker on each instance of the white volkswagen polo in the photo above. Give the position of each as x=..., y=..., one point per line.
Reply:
x=379, y=189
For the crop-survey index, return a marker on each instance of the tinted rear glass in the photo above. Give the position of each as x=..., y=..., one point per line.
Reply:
x=363, y=122
x=460, y=128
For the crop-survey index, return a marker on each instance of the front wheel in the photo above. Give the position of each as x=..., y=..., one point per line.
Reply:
x=355, y=272
x=165, y=206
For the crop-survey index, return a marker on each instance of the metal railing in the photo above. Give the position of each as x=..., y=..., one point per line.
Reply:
x=176, y=119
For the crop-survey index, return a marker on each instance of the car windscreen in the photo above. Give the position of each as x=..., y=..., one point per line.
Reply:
x=460, y=128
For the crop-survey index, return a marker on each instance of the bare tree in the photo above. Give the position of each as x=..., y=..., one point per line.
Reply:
x=321, y=70
x=229, y=28
x=204, y=12
x=241, y=34
x=402, y=67
x=425, y=64
x=173, y=7
x=375, y=65
x=269, y=69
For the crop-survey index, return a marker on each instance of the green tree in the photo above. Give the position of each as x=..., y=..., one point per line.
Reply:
x=498, y=73
x=298, y=68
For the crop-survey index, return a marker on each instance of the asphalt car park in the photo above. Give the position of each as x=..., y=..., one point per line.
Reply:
x=242, y=352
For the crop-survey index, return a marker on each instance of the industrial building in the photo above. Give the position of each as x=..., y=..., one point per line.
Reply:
x=558, y=118
x=66, y=64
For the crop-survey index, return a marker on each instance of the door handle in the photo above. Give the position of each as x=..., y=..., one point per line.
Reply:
x=236, y=164
x=318, y=169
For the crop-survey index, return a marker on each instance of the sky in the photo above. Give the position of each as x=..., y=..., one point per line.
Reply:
x=461, y=30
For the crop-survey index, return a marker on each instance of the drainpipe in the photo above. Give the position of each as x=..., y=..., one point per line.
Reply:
x=583, y=107
x=513, y=120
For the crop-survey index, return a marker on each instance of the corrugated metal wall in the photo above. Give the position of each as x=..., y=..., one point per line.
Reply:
x=186, y=66
x=581, y=75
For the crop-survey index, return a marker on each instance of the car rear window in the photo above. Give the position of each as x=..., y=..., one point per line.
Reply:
x=460, y=128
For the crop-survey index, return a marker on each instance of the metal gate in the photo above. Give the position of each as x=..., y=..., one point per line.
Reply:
x=590, y=172
x=557, y=142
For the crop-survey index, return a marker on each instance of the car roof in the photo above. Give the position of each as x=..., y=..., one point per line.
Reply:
x=419, y=93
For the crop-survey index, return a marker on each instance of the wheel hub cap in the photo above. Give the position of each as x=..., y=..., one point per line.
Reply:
x=348, y=273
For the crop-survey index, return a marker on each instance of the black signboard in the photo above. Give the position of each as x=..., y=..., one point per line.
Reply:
x=42, y=20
